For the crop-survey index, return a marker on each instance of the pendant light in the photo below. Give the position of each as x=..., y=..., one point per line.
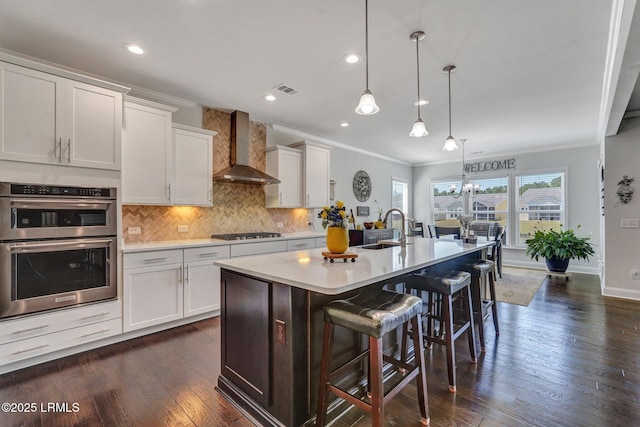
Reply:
x=367, y=104
x=450, y=143
x=418, y=129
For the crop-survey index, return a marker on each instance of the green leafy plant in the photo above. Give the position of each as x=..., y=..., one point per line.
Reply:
x=558, y=244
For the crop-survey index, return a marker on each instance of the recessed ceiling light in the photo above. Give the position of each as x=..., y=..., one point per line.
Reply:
x=352, y=58
x=270, y=98
x=134, y=48
x=344, y=124
x=421, y=102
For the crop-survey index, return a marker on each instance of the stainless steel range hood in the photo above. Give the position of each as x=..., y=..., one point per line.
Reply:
x=240, y=171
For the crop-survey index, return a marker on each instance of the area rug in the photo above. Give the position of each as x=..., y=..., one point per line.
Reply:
x=518, y=285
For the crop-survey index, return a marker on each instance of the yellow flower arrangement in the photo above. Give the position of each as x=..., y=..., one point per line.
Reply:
x=334, y=216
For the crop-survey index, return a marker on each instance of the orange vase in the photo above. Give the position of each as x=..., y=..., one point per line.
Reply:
x=337, y=240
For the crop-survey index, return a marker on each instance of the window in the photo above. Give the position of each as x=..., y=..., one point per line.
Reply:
x=399, y=200
x=540, y=204
x=446, y=207
x=519, y=202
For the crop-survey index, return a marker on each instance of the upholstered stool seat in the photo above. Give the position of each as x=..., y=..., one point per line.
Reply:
x=483, y=295
x=442, y=289
x=374, y=313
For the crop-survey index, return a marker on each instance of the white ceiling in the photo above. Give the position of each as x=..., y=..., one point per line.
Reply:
x=529, y=77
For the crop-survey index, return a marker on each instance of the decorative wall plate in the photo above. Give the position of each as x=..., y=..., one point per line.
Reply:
x=362, y=186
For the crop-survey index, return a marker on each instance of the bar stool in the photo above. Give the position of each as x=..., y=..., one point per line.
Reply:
x=447, y=288
x=374, y=313
x=483, y=276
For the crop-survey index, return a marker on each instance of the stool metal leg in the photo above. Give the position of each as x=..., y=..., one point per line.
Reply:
x=327, y=350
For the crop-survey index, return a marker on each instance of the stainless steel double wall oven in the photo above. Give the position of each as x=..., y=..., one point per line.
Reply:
x=57, y=247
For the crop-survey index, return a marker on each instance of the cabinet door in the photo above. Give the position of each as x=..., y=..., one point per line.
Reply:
x=145, y=155
x=31, y=115
x=192, y=159
x=93, y=127
x=316, y=176
x=152, y=295
x=202, y=288
x=286, y=165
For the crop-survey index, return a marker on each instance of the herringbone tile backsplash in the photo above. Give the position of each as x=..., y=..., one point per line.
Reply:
x=237, y=208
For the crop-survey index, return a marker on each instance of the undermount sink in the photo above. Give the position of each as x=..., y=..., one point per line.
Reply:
x=380, y=245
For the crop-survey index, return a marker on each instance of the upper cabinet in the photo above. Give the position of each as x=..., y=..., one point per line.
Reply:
x=316, y=170
x=163, y=164
x=193, y=166
x=284, y=163
x=46, y=118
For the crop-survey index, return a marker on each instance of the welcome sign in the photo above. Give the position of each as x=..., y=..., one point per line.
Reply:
x=490, y=166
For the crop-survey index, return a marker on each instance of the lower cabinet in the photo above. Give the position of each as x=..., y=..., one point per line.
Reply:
x=372, y=236
x=57, y=330
x=168, y=285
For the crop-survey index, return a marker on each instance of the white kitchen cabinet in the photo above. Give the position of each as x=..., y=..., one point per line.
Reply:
x=202, y=279
x=146, y=153
x=316, y=171
x=192, y=166
x=300, y=244
x=167, y=285
x=49, y=119
x=43, y=333
x=321, y=242
x=256, y=248
x=284, y=163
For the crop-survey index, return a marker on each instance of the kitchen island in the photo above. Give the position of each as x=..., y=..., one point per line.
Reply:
x=272, y=319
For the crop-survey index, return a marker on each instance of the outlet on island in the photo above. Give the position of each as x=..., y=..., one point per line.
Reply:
x=183, y=228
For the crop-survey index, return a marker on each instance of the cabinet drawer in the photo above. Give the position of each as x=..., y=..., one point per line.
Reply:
x=299, y=244
x=205, y=253
x=321, y=242
x=385, y=234
x=147, y=259
x=258, y=248
x=19, y=350
x=47, y=323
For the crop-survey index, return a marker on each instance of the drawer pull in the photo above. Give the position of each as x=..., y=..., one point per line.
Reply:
x=155, y=259
x=299, y=245
x=35, y=328
x=15, y=353
x=95, y=333
x=94, y=315
x=209, y=254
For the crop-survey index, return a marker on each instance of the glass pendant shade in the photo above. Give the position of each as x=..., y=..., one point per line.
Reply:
x=450, y=144
x=418, y=129
x=367, y=104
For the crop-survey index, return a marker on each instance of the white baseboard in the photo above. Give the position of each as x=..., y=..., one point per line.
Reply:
x=540, y=266
x=621, y=293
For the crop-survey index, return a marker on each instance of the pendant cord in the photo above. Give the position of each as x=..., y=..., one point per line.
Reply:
x=418, y=75
x=366, y=42
x=450, y=110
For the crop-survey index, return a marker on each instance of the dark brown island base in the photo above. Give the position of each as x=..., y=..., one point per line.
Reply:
x=272, y=321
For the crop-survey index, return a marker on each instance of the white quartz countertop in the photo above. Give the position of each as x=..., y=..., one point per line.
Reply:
x=192, y=243
x=307, y=269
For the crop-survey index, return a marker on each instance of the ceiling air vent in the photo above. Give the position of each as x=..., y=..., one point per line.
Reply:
x=285, y=89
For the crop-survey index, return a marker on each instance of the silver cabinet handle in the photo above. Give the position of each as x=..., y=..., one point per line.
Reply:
x=69, y=150
x=208, y=254
x=307, y=199
x=180, y=275
x=280, y=199
x=35, y=328
x=30, y=349
x=169, y=192
x=57, y=145
x=94, y=315
x=95, y=333
x=187, y=275
x=155, y=259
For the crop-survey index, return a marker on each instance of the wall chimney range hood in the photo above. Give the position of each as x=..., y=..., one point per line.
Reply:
x=240, y=171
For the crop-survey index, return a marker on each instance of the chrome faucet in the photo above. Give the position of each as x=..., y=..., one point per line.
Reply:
x=402, y=239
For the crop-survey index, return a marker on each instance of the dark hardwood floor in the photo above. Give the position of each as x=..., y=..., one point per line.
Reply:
x=572, y=358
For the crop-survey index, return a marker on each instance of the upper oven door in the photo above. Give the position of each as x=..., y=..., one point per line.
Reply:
x=24, y=218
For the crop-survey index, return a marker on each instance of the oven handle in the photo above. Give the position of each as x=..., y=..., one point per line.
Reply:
x=24, y=247
x=62, y=204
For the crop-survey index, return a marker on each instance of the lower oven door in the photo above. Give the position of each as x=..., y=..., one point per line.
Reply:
x=43, y=275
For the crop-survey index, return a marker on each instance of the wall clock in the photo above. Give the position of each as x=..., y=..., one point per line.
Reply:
x=362, y=186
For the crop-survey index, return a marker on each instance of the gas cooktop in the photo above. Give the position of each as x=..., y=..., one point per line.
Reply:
x=245, y=236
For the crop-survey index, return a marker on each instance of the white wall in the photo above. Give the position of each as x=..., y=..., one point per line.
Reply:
x=582, y=203
x=622, y=246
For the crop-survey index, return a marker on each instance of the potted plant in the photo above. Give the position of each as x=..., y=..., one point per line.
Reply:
x=558, y=247
x=335, y=221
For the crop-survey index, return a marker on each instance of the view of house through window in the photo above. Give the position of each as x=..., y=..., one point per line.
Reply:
x=539, y=202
